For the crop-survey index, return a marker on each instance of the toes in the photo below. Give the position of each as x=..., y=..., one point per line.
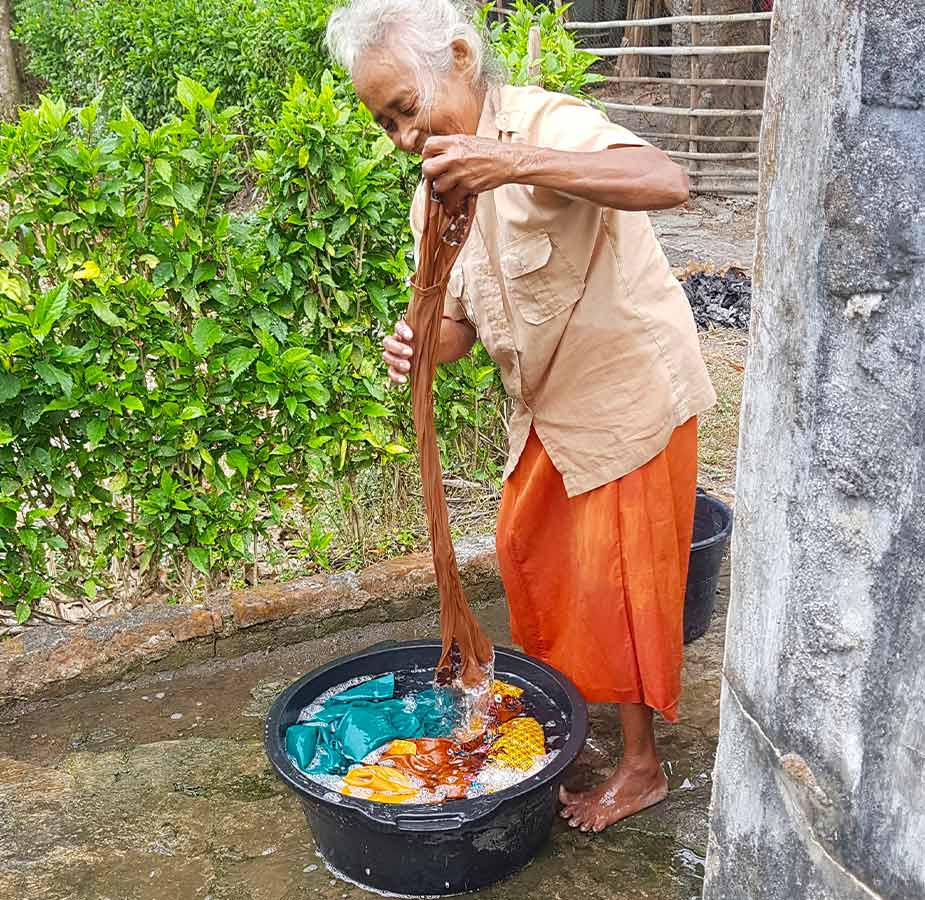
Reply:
x=565, y=797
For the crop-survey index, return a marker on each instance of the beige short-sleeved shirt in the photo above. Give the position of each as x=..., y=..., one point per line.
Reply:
x=576, y=304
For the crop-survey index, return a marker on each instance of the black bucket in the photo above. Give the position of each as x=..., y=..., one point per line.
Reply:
x=433, y=849
x=712, y=527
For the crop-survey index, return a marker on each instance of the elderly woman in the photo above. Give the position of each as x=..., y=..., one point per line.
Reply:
x=566, y=286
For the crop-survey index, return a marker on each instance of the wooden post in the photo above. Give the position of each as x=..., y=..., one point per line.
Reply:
x=694, y=121
x=533, y=55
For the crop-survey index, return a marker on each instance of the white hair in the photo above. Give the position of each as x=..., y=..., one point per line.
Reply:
x=423, y=30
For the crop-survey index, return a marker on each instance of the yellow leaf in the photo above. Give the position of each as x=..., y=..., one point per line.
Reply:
x=87, y=271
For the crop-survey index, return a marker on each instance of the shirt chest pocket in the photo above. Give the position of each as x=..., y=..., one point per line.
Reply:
x=541, y=281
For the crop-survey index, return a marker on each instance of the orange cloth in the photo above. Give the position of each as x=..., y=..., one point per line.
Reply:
x=595, y=583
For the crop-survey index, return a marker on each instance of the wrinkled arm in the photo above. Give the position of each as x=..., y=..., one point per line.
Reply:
x=624, y=177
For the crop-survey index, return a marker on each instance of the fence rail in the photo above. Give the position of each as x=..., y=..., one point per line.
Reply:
x=679, y=51
x=699, y=153
x=729, y=19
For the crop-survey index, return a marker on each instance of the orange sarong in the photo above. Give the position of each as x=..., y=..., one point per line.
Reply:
x=595, y=583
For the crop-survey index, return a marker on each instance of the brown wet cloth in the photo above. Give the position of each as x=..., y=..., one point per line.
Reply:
x=466, y=650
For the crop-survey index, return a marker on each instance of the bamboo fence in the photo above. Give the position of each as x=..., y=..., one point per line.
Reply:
x=700, y=152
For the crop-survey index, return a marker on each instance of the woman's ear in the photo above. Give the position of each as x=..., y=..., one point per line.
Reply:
x=462, y=55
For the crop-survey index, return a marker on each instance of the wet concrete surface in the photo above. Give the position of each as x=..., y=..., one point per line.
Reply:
x=159, y=789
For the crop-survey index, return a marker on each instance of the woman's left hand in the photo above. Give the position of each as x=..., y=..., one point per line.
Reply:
x=459, y=165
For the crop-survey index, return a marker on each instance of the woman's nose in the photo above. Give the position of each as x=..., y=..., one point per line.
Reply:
x=408, y=138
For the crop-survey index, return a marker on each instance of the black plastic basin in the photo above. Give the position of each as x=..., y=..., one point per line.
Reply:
x=436, y=849
x=712, y=528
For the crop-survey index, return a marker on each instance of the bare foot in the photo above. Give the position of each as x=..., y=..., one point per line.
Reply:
x=626, y=792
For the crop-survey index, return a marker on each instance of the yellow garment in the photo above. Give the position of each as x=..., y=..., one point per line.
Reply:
x=519, y=743
x=402, y=748
x=380, y=784
x=507, y=690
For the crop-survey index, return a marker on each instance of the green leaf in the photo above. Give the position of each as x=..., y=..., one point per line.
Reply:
x=317, y=392
x=162, y=274
x=315, y=237
x=163, y=168
x=285, y=276
x=96, y=431
x=396, y=449
x=240, y=359
x=238, y=461
x=199, y=557
x=186, y=93
x=204, y=272
x=206, y=334
x=294, y=356
x=65, y=217
x=192, y=411
x=376, y=410
x=54, y=377
x=188, y=197
x=49, y=309
x=23, y=612
x=10, y=387
x=102, y=310
x=132, y=402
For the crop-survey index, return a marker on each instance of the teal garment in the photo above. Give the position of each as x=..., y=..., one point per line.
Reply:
x=358, y=721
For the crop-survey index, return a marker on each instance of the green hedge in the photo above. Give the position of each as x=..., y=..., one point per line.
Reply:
x=173, y=377
x=133, y=51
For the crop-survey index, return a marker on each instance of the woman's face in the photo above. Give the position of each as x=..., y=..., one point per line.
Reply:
x=389, y=90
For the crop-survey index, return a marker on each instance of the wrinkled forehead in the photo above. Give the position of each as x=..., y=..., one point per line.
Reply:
x=383, y=81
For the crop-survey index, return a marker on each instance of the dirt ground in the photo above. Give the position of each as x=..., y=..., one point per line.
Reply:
x=159, y=789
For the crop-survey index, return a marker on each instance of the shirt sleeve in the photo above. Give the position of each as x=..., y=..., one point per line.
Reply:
x=452, y=306
x=562, y=122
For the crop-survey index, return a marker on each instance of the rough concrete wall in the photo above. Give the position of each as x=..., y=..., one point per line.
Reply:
x=819, y=786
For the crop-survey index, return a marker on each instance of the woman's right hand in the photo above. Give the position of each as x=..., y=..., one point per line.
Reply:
x=397, y=352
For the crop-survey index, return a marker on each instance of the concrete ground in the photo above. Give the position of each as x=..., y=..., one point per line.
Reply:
x=159, y=790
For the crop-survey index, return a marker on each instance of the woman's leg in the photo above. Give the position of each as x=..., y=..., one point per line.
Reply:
x=637, y=782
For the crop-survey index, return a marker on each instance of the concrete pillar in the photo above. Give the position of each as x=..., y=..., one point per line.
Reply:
x=820, y=776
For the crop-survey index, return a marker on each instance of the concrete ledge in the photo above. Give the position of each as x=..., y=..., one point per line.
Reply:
x=47, y=662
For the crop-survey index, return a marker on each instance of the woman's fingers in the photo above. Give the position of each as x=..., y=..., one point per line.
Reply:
x=397, y=352
x=397, y=347
x=402, y=364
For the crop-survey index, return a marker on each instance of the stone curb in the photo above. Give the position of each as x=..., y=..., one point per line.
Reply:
x=48, y=662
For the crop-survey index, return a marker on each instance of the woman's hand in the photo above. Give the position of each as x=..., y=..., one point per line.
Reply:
x=397, y=352
x=459, y=165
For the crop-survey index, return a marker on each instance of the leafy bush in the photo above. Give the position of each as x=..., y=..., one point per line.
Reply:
x=132, y=52
x=172, y=378
x=563, y=66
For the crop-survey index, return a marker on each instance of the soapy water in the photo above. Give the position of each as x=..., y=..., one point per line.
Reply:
x=491, y=777
x=318, y=703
